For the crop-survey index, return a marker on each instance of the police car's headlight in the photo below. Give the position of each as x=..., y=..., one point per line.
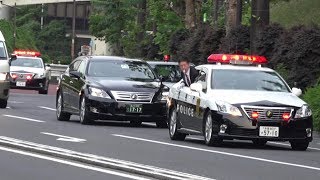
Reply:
x=98, y=93
x=228, y=109
x=303, y=112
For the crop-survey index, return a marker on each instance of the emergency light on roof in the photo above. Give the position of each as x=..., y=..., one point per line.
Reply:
x=27, y=53
x=236, y=59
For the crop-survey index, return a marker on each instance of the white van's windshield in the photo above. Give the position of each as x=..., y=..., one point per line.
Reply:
x=3, y=53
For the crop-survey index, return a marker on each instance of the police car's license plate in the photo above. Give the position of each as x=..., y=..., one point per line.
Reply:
x=269, y=131
x=20, y=84
x=134, y=108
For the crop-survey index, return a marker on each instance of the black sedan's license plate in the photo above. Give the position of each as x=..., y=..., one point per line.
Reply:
x=134, y=108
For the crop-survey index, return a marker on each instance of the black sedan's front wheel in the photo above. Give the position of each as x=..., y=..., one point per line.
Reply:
x=85, y=117
x=61, y=115
x=299, y=145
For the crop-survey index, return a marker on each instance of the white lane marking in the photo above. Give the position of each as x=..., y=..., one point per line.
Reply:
x=64, y=138
x=15, y=102
x=47, y=108
x=284, y=144
x=8, y=107
x=110, y=162
x=149, y=124
x=24, y=118
x=219, y=152
x=79, y=165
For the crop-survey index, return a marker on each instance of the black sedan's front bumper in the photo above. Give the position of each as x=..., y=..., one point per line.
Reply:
x=109, y=109
x=246, y=129
x=32, y=84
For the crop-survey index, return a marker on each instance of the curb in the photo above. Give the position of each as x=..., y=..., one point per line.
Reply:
x=99, y=161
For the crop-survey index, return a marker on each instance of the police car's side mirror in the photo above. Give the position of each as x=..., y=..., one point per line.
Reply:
x=296, y=91
x=196, y=87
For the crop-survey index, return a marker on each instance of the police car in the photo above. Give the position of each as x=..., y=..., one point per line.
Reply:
x=232, y=99
x=29, y=72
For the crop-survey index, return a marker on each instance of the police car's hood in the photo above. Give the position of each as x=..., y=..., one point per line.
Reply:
x=121, y=84
x=258, y=98
x=20, y=69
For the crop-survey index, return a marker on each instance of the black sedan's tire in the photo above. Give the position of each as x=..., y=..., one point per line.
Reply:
x=3, y=103
x=211, y=129
x=85, y=117
x=173, y=127
x=61, y=115
x=299, y=145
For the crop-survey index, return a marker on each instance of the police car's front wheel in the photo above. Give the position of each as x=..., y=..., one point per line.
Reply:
x=173, y=127
x=299, y=145
x=211, y=129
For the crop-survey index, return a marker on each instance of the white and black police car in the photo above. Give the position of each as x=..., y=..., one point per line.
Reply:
x=28, y=71
x=233, y=99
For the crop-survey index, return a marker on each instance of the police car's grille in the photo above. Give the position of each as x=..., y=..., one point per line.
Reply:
x=132, y=96
x=276, y=112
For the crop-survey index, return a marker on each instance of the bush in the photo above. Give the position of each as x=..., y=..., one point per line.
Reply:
x=238, y=41
x=312, y=97
x=196, y=45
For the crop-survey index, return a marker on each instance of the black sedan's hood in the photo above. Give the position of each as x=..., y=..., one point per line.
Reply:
x=120, y=84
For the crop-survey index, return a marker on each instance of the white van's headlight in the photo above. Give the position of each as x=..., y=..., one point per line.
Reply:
x=96, y=92
x=3, y=76
x=228, y=108
x=303, y=112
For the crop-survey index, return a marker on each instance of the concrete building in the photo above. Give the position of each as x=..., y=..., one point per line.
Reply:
x=63, y=10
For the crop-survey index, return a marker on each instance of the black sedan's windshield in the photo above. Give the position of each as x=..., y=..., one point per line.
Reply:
x=120, y=69
x=171, y=71
x=248, y=80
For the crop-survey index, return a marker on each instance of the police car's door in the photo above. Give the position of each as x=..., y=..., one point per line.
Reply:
x=194, y=100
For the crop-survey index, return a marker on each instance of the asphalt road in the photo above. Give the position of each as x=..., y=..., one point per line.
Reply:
x=32, y=118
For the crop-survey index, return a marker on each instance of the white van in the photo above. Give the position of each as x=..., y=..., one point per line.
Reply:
x=4, y=73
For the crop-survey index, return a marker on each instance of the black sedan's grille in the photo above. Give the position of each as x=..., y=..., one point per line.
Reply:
x=267, y=113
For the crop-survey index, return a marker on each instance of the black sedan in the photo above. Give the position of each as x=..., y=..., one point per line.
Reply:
x=111, y=88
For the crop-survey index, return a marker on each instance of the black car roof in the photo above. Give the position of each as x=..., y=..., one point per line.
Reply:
x=112, y=58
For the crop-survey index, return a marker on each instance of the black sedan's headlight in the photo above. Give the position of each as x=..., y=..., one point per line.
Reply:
x=303, y=112
x=96, y=92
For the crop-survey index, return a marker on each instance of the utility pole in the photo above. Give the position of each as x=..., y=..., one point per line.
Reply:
x=42, y=10
x=73, y=29
x=15, y=26
x=239, y=13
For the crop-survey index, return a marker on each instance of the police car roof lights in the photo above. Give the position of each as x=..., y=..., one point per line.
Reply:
x=236, y=59
x=27, y=53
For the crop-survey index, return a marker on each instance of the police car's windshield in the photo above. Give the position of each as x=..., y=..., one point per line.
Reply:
x=27, y=62
x=171, y=71
x=120, y=69
x=248, y=80
x=3, y=54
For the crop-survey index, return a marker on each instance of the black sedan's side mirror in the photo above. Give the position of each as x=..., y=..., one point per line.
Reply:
x=75, y=74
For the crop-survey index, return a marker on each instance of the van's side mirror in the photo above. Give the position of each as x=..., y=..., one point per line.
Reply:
x=296, y=91
x=13, y=57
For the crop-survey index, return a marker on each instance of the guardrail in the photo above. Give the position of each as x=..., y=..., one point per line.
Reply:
x=56, y=70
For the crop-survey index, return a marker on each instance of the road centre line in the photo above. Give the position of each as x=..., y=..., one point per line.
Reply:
x=47, y=108
x=219, y=152
x=100, y=161
x=24, y=118
x=79, y=165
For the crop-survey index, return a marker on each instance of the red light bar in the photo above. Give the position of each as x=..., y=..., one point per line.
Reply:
x=27, y=53
x=236, y=59
x=166, y=58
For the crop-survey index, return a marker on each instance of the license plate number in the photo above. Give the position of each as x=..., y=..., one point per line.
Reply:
x=20, y=84
x=269, y=131
x=134, y=108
